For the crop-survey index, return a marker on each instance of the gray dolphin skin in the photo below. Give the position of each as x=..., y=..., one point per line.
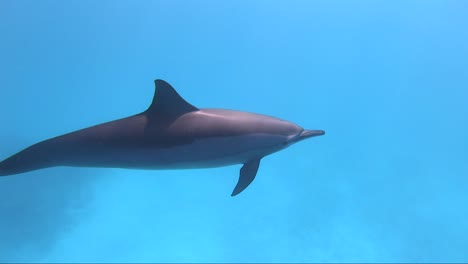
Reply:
x=170, y=134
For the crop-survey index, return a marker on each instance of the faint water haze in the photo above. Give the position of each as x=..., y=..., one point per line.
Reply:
x=385, y=80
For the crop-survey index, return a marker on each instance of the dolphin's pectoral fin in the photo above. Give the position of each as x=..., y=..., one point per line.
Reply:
x=247, y=175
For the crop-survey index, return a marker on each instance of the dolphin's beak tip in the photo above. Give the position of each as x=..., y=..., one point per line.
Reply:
x=312, y=133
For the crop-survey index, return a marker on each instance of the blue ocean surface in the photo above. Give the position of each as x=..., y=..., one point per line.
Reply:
x=386, y=80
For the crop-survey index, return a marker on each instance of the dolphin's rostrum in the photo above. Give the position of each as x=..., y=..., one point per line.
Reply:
x=170, y=134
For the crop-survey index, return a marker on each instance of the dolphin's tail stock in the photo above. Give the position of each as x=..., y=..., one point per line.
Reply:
x=29, y=159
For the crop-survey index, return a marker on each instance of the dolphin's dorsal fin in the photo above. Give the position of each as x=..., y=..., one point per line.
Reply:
x=168, y=102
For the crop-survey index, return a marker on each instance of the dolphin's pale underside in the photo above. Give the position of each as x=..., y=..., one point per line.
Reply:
x=170, y=134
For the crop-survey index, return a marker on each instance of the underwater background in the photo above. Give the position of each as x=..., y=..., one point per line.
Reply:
x=387, y=80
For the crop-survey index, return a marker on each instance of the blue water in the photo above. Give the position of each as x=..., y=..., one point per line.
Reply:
x=387, y=80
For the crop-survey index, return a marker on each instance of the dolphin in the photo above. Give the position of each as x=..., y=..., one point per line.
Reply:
x=170, y=134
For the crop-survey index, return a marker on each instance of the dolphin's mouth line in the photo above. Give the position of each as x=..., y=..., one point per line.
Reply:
x=311, y=133
x=306, y=133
